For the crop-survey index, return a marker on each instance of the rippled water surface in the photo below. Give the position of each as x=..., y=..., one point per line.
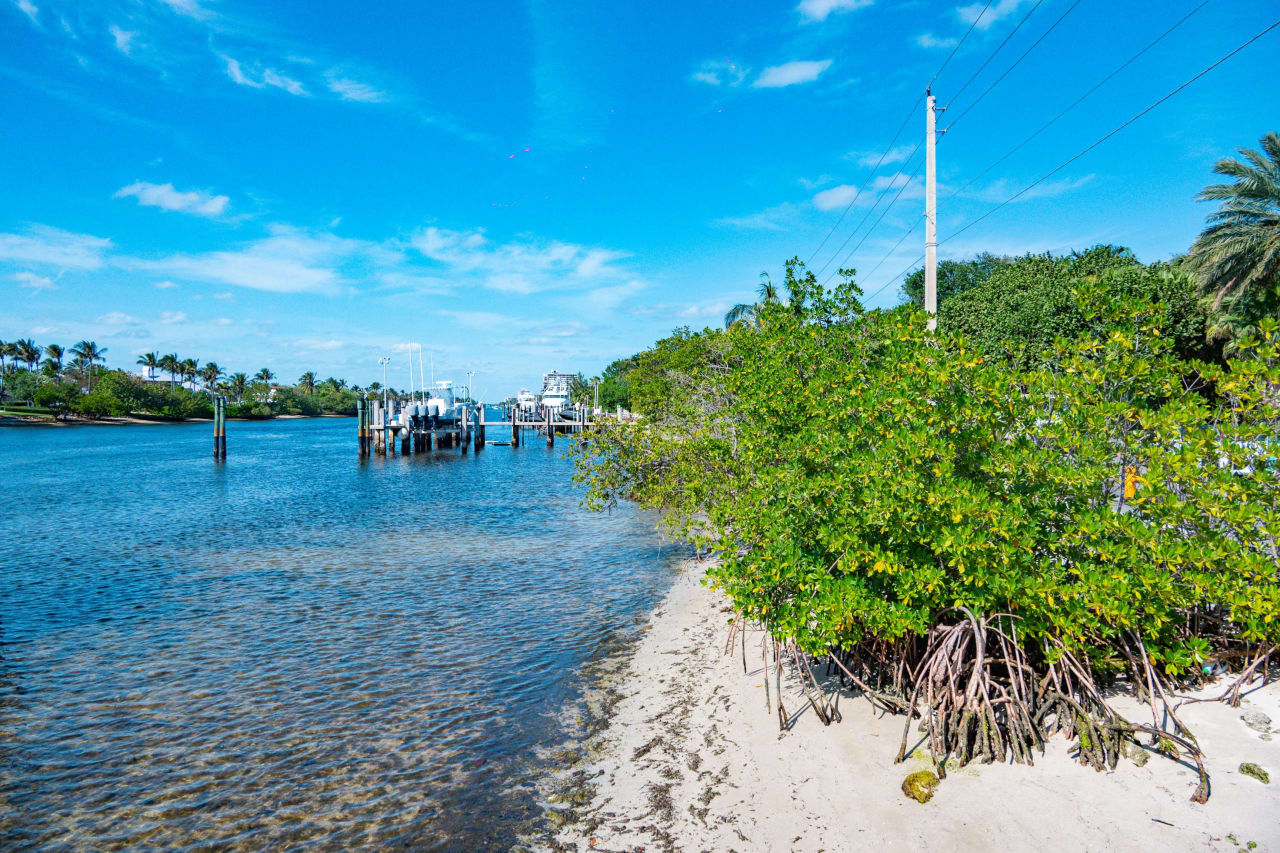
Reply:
x=293, y=648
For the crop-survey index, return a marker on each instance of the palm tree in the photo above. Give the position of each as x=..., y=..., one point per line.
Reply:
x=1237, y=257
x=749, y=314
x=151, y=361
x=210, y=374
x=189, y=368
x=237, y=384
x=89, y=354
x=26, y=350
x=336, y=384
x=264, y=375
x=53, y=355
x=307, y=382
x=169, y=364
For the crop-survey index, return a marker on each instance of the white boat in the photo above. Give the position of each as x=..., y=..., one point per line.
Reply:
x=556, y=390
x=526, y=401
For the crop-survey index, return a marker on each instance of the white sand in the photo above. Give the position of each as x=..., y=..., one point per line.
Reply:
x=691, y=761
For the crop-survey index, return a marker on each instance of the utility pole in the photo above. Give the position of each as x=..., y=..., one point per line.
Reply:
x=931, y=212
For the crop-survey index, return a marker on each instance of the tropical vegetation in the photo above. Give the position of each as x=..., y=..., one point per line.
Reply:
x=1071, y=484
x=82, y=387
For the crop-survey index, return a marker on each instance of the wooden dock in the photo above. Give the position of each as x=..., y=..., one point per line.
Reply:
x=379, y=430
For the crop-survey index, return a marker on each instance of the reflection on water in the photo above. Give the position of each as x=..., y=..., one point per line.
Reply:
x=295, y=646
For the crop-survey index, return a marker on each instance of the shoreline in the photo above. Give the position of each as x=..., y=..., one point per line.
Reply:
x=681, y=755
x=18, y=420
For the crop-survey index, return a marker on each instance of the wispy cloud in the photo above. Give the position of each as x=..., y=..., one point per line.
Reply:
x=997, y=11
x=722, y=72
x=35, y=283
x=165, y=285
x=164, y=196
x=320, y=345
x=123, y=39
x=930, y=41
x=870, y=158
x=172, y=317
x=30, y=10
x=818, y=10
x=189, y=8
x=117, y=318
x=289, y=260
x=353, y=90
x=527, y=265
x=791, y=73
x=845, y=193
x=42, y=244
x=777, y=218
x=263, y=78
x=1000, y=190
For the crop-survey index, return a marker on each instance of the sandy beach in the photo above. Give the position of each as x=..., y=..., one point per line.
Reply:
x=685, y=757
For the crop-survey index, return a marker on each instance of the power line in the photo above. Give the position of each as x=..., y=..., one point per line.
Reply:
x=992, y=56
x=887, y=254
x=1015, y=64
x=955, y=49
x=1094, y=145
x=870, y=210
x=856, y=195
x=1082, y=152
x=1078, y=100
x=889, y=147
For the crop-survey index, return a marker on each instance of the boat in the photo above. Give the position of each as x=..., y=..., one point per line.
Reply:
x=526, y=402
x=556, y=389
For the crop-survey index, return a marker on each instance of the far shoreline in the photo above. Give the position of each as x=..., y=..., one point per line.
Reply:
x=12, y=420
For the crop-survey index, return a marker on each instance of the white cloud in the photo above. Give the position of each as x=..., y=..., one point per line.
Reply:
x=929, y=41
x=314, y=344
x=190, y=8
x=222, y=321
x=124, y=39
x=166, y=197
x=704, y=309
x=117, y=318
x=266, y=77
x=791, y=73
x=354, y=90
x=526, y=265
x=813, y=184
x=869, y=159
x=999, y=10
x=35, y=282
x=222, y=296
x=29, y=9
x=173, y=317
x=55, y=247
x=165, y=285
x=723, y=72
x=1002, y=189
x=818, y=10
x=777, y=218
x=840, y=196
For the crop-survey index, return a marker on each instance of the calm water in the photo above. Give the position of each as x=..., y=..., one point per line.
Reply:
x=293, y=648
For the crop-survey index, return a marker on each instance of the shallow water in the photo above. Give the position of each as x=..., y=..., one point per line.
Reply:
x=293, y=648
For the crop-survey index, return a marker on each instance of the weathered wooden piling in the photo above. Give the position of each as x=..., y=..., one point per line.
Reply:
x=551, y=432
x=218, y=427
x=515, y=429
x=360, y=410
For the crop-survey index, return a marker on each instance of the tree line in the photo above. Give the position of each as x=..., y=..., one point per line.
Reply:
x=52, y=380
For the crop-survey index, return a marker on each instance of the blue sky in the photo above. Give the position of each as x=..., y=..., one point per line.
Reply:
x=531, y=186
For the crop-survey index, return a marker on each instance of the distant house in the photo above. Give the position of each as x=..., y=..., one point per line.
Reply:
x=153, y=376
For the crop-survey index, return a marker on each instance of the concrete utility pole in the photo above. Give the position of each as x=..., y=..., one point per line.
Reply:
x=931, y=212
